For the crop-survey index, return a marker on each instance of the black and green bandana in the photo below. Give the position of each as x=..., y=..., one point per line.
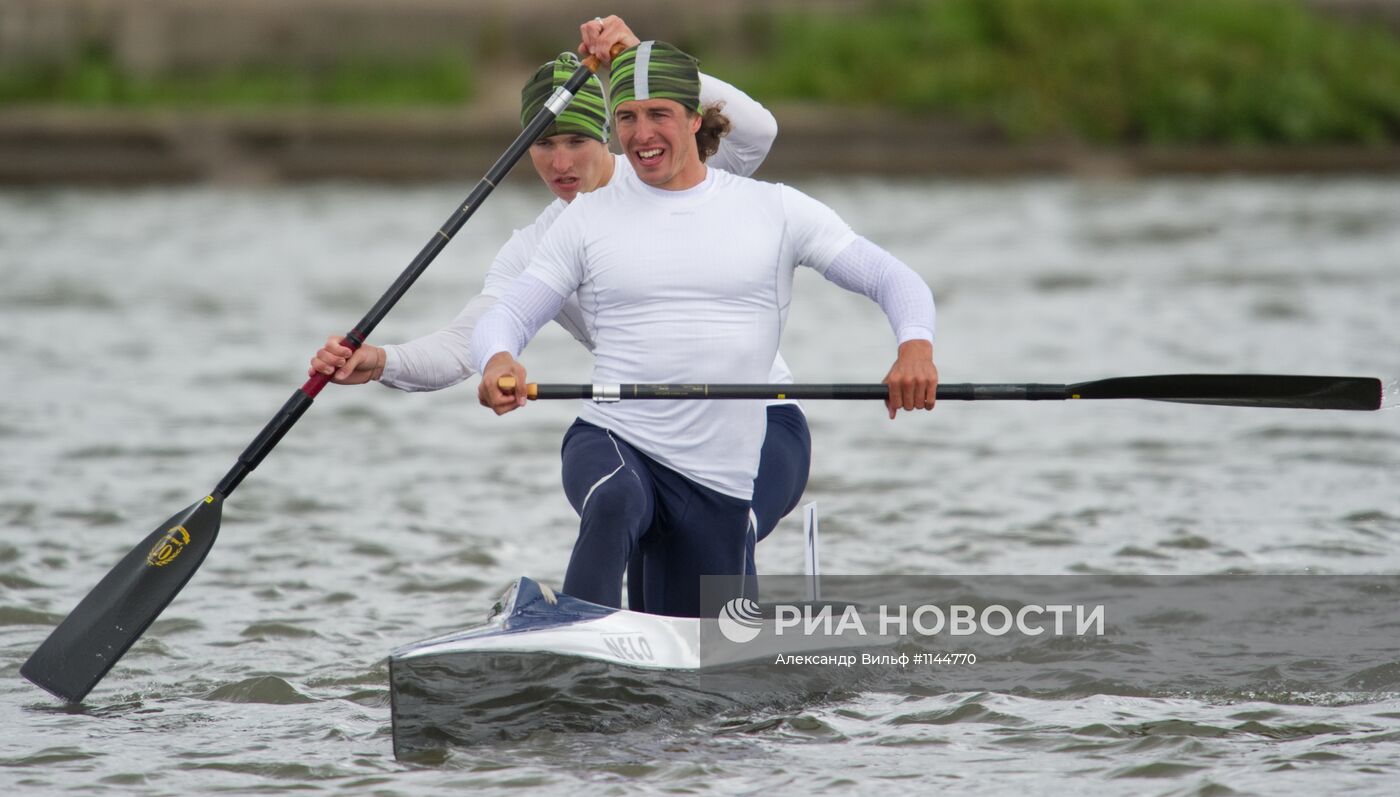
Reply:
x=586, y=114
x=654, y=71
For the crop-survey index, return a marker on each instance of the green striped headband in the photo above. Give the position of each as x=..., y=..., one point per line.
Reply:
x=587, y=112
x=654, y=71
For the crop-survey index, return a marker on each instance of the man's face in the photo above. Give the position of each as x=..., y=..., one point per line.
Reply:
x=569, y=163
x=658, y=137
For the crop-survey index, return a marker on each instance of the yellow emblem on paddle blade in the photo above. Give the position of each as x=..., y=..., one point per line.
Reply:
x=168, y=547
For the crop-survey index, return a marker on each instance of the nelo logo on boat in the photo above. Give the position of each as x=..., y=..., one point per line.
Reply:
x=168, y=547
x=740, y=620
x=632, y=647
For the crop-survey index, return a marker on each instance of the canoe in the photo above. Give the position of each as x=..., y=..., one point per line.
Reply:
x=546, y=661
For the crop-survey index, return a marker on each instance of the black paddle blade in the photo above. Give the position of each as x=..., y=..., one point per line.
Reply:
x=119, y=609
x=1242, y=390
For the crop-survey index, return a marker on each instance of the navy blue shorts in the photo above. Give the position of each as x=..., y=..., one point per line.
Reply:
x=631, y=506
x=692, y=534
x=783, y=467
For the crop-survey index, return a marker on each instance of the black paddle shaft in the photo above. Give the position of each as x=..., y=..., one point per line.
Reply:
x=104, y=625
x=1238, y=390
x=301, y=399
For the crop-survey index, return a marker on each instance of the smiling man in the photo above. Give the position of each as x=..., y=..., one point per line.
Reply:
x=683, y=274
x=656, y=124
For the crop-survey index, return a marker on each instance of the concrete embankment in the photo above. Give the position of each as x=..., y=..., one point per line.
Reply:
x=65, y=146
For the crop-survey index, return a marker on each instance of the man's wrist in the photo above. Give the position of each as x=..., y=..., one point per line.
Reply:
x=486, y=361
x=380, y=359
x=916, y=347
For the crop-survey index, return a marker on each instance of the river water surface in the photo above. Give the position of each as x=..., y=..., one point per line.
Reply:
x=148, y=335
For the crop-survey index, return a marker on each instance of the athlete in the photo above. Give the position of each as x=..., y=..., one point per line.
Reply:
x=683, y=273
x=572, y=158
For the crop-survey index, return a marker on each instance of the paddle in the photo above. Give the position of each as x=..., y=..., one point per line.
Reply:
x=80, y=651
x=1236, y=390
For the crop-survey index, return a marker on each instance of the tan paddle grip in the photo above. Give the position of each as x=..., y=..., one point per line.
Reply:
x=532, y=390
x=594, y=65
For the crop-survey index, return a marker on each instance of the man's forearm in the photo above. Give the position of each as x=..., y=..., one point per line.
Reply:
x=440, y=359
x=905, y=298
x=527, y=305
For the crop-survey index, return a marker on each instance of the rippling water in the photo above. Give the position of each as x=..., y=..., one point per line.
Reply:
x=150, y=334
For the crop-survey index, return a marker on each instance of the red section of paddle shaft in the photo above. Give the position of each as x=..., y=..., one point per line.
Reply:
x=317, y=381
x=313, y=385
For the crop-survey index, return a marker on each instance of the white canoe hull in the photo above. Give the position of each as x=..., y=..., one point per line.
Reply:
x=546, y=661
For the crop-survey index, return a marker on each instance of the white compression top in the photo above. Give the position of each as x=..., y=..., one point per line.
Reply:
x=442, y=358
x=693, y=286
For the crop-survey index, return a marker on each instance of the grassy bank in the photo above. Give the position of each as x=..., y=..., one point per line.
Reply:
x=1176, y=72
x=94, y=79
x=1116, y=71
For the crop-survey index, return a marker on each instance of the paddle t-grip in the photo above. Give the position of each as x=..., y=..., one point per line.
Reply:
x=594, y=64
x=532, y=390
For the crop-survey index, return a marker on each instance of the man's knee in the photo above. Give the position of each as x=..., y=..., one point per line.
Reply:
x=618, y=501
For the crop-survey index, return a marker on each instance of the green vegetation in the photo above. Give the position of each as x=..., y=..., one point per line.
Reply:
x=1236, y=72
x=1133, y=71
x=95, y=79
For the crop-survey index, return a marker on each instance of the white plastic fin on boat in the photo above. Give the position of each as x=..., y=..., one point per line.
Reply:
x=548, y=594
x=809, y=533
x=750, y=543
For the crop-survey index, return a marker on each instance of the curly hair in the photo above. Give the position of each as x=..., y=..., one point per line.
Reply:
x=714, y=125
